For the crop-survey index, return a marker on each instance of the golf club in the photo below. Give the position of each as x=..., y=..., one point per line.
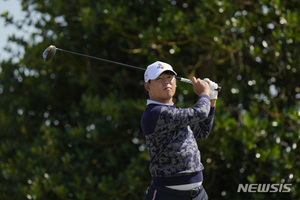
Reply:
x=51, y=50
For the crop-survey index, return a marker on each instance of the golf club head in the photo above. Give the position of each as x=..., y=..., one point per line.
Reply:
x=49, y=53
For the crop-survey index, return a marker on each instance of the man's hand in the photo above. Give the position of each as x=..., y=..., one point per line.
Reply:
x=200, y=86
x=213, y=94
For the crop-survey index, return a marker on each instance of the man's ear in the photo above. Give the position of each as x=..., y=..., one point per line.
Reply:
x=147, y=86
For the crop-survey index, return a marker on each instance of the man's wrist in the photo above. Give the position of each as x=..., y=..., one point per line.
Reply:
x=213, y=102
x=204, y=93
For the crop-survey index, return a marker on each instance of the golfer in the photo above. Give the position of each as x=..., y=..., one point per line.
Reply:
x=171, y=134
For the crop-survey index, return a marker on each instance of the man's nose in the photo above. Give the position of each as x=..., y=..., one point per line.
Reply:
x=166, y=80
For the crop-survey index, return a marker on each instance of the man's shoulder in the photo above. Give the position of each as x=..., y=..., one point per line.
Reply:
x=151, y=108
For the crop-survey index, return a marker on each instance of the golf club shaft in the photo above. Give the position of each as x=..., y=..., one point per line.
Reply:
x=105, y=60
x=125, y=65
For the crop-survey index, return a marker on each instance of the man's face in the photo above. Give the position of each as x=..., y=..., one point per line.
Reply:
x=163, y=88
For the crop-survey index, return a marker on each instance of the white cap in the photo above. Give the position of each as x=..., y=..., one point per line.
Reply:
x=156, y=69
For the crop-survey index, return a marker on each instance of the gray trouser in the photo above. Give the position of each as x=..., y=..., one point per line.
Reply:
x=163, y=193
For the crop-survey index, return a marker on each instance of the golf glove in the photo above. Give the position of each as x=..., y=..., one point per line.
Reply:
x=213, y=93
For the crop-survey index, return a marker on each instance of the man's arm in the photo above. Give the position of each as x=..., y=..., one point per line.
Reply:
x=202, y=129
x=171, y=118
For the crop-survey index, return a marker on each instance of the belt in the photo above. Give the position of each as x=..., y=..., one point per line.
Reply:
x=190, y=193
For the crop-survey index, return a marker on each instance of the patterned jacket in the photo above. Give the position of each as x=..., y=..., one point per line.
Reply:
x=171, y=134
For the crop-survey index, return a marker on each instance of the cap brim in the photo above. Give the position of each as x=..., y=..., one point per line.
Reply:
x=157, y=75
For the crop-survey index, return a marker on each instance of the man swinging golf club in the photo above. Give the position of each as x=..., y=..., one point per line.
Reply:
x=171, y=134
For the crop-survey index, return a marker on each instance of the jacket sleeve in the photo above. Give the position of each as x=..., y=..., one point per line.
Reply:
x=202, y=129
x=172, y=118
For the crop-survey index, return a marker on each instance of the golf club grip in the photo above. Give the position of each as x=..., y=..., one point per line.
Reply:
x=190, y=82
x=184, y=80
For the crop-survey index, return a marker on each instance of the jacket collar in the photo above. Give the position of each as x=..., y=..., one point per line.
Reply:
x=149, y=101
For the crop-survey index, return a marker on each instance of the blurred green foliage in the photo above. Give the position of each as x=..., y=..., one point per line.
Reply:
x=70, y=128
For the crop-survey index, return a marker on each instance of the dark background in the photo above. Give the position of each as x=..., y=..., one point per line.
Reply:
x=70, y=128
